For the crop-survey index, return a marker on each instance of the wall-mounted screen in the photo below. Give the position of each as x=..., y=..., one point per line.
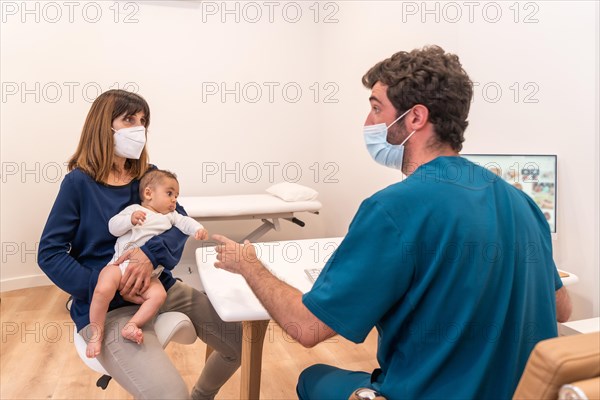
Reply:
x=533, y=174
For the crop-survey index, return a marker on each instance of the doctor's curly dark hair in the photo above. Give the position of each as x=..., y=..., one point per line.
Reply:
x=433, y=78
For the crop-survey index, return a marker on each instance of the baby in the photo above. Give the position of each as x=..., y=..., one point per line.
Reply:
x=134, y=226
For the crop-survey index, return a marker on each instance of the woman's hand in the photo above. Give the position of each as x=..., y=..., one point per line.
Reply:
x=136, y=278
x=135, y=299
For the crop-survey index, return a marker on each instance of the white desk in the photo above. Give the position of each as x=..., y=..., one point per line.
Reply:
x=582, y=326
x=233, y=299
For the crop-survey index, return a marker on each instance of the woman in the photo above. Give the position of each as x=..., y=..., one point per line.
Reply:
x=104, y=179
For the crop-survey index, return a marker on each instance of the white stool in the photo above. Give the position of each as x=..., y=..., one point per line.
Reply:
x=170, y=326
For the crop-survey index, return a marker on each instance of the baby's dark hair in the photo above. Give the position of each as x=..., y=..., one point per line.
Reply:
x=154, y=177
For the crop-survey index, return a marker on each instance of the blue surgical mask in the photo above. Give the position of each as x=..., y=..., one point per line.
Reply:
x=381, y=151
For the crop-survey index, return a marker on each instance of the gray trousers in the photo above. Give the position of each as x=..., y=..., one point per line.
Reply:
x=146, y=371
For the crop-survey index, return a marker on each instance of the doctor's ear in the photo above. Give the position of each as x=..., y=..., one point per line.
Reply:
x=418, y=117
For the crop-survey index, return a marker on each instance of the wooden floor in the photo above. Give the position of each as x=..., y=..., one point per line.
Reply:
x=38, y=358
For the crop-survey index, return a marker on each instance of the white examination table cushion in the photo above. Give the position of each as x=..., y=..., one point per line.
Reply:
x=266, y=207
x=245, y=205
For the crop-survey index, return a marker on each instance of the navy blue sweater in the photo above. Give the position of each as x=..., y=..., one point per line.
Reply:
x=76, y=243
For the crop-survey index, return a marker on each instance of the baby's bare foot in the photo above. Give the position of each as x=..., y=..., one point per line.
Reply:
x=93, y=348
x=132, y=332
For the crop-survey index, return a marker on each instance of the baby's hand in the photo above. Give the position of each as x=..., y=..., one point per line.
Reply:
x=201, y=234
x=138, y=217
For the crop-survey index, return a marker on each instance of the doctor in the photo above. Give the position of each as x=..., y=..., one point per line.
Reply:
x=451, y=265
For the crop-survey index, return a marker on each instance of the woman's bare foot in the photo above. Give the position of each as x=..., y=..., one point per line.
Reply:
x=132, y=332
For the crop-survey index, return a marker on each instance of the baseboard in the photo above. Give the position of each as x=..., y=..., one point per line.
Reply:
x=24, y=282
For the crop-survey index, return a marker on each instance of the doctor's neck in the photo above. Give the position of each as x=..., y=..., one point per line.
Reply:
x=423, y=151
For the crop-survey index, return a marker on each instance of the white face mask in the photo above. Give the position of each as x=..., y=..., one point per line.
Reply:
x=381, y=151
x=129, y=142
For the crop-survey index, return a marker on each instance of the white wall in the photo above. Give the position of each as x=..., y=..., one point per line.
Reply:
x=177, y=50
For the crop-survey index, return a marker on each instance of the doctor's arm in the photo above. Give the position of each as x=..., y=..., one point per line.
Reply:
x=563, y=305
x=282, y=301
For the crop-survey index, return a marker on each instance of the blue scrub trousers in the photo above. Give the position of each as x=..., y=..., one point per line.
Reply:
x=324, y=382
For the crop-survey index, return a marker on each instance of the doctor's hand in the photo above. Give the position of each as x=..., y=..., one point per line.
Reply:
x=136, y=278
x=235, y=257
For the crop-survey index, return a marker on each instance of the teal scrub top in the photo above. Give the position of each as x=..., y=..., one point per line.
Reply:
x=454, y=268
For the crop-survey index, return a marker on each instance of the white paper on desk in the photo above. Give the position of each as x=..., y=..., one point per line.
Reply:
x=230, y=294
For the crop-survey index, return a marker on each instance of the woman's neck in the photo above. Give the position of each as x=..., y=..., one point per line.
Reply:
x=118, y=175
x=118, y=164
